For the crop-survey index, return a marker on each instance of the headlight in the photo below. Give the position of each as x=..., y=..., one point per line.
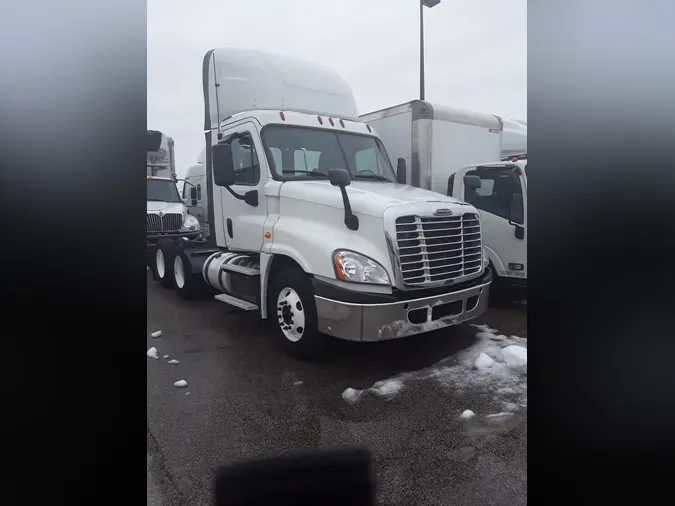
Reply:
x=350, y=266
x=191, y=223
x=486, y=259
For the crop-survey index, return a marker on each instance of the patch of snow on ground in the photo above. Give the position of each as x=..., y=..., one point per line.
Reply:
x=498, y=416
x=515, y=356
x=351, y=395
x=467, y=414
x=483, y=362
x=495, y=364
x=387, y=388
x=174, y=361
x=156, y=334
x=165, y=357
x=180, y=384
x=297, y=383
x=152, y=353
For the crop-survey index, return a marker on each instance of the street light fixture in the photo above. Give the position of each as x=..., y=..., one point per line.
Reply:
x=423, y=4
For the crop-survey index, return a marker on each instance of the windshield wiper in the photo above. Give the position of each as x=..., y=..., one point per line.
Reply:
x=314, y=173
x=374, y=177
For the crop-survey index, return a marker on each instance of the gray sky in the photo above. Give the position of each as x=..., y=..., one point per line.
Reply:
x=476, y=53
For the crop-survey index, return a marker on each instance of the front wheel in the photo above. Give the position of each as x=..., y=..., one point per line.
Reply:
x=292, y=309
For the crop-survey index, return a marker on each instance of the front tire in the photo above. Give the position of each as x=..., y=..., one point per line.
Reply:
x=164, y=255
x=292, y=310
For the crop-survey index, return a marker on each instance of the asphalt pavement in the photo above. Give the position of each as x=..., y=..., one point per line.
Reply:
x=246, y=399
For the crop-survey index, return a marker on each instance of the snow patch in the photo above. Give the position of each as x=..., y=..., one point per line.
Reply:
x=515, y=356
x=297, y=383
x=495, y=364
x=165, y=357
x=180, y=384
x=483, y=362
x=351, y=395
x=156, y=334
x=467, y=414
x=498, y=416
x=174, y=361
x=152, y=353
x=387, y=388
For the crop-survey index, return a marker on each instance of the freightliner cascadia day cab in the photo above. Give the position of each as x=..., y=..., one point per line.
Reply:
x=166, y=214
x=438, y=142
x=309, y=225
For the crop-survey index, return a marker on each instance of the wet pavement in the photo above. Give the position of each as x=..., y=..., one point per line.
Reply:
x=246, y=399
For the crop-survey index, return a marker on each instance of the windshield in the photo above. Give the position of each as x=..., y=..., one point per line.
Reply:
x=160, y=190
x=308, y=153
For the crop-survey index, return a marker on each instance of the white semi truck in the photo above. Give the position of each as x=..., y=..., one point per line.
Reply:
x=441, y=145
x=309, y=225
x=166, y=213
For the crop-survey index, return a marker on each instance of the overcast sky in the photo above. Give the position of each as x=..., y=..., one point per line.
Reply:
x=476, y=53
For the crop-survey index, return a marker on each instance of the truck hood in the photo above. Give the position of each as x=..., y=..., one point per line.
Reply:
x=165, y=207
x=366, y=197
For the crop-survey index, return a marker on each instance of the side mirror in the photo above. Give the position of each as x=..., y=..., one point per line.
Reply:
x=401, y=170
x=472, y=182
x=175, y=177
x=193, y=193
x=516, y=209
x=339, y=177
x=223, y=165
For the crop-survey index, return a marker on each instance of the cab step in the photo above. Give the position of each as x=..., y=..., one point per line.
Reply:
x=240, y=269
x=234, y=301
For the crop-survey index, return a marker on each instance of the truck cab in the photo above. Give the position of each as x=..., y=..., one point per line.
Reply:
x=311, y=225
x=194, y=193
x=499, y=191
x=166, y=213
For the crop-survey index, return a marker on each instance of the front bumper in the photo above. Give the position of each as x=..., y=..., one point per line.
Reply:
x=151, y=239
x=391, y=319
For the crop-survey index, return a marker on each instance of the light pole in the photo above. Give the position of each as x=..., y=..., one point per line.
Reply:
x=423, y=4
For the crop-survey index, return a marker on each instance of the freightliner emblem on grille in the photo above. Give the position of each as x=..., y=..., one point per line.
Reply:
x=442, y=212
x=161, y=214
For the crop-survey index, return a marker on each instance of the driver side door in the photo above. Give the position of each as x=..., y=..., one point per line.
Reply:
x=243, y=223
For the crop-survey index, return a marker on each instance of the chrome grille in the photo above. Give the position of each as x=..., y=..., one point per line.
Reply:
x=171, y=222
x=437, y=249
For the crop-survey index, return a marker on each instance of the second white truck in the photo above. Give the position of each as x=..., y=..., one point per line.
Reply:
x=311, y=226
x=442, y=145
x=166, y=213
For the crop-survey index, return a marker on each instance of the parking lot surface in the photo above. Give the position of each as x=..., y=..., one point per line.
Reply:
x=246, y=399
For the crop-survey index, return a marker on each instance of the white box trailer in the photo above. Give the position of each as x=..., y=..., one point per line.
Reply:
x=514, y=138
x=436, y=141
x=161, y=161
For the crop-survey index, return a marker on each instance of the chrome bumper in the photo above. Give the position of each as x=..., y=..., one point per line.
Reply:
x=152, y=238
x=384, y=321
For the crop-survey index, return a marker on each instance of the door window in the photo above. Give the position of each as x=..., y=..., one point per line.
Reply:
x=495, y=195
x=245, y=159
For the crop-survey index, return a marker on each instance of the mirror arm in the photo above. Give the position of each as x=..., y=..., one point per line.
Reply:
x=351, y=220
x=250, y=197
